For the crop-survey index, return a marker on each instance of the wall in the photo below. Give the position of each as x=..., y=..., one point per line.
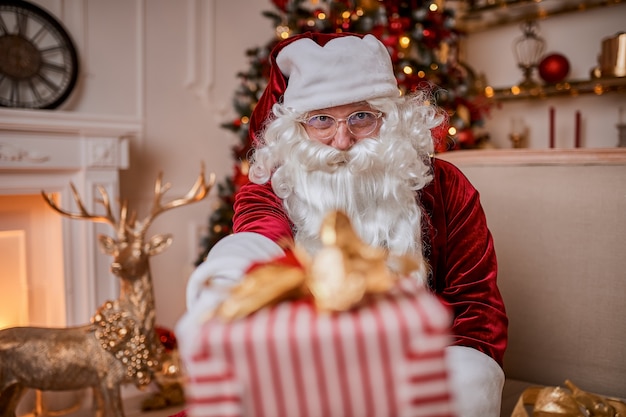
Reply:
x=172, y=66
x=190, y=76
x=578, y=36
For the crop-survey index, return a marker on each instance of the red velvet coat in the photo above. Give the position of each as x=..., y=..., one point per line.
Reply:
x=457, y=245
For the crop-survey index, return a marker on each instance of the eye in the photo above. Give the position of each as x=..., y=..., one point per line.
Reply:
x=321, y=121
x=362, y=118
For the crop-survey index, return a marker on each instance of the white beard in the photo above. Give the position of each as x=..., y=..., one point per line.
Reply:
x=375, y=194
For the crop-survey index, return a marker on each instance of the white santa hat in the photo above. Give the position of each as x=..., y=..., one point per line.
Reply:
x=345, y=70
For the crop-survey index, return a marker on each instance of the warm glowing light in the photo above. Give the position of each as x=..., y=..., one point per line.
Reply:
x=407, y=70
x=405, y=41
x=489, y=92
x=245, y=167
x=434, y=66
x=321, y=16
x=421, y=74
x=14, y=296
x=452, y=131
x=515, y=90
x=359, y=12
x=283, y=32
x=433, y=7
x=598, y=89
x=245, y=120
x=346, y=14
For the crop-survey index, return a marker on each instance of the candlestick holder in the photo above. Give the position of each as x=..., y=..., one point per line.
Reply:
x=528, y=51
x=518, y=140
x=519, y=133
x=621, y=135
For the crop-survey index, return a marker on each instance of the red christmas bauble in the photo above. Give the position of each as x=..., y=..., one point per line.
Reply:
x=553, y=68
x=166, y=337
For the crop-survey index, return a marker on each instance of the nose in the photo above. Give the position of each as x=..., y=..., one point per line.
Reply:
x=343, y=139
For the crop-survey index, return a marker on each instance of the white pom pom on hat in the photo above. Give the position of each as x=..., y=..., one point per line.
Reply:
x=345, y=70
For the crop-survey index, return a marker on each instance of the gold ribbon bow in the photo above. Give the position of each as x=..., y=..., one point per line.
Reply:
x=338, y=278
x=567, y=402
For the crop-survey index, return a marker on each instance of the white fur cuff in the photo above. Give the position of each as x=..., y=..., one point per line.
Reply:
x=477, y=381
x=228, y=260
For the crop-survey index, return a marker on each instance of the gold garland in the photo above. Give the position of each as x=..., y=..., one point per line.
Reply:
x=118, y=334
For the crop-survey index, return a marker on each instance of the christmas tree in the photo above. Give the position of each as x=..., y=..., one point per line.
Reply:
x=423, y=42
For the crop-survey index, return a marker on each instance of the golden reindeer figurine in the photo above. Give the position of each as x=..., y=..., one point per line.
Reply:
x=119, y=345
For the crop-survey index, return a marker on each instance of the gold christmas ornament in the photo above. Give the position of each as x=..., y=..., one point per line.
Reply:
x=170, y=383
x=567, y=402
x=339, y=277
x=119, y=345
x=369, y=5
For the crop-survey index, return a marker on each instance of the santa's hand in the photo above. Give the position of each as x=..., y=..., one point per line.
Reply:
x=225, y=266
x=210, y=283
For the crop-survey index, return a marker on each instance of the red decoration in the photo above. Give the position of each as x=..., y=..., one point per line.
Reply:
x=466, y=138
x=239, y=178
x=281, y=4
x=440, y=137
x=577, y=135
x=166, y=337
x=551, y=127
x=553, y=68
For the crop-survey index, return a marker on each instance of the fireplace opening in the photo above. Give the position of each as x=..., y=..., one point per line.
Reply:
x=32, y=283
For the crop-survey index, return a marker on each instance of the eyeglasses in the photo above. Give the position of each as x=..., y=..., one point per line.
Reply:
x=359, y=123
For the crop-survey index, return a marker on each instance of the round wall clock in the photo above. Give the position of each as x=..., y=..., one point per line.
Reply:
x=38, y=60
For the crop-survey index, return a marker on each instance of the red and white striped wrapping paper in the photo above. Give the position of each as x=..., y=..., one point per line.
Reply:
x=383, y=359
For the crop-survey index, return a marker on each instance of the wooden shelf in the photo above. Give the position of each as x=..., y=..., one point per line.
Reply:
x=557, y=156
x=598, y=86
x=487, y=14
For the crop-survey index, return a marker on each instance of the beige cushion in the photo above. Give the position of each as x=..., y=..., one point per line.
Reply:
x=560, y=236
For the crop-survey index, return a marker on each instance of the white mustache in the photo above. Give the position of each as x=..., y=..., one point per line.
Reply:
x=359, y=157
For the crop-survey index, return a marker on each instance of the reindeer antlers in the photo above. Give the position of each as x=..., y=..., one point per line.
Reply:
x=198, y=191
x=84, y=214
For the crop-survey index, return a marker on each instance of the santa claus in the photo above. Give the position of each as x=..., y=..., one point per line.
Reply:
x=332, y=132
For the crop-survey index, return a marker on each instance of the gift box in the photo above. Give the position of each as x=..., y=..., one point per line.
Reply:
x=337, y=334
x=382, y=358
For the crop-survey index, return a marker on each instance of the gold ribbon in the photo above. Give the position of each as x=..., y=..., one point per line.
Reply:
x=567, y=402
x=337, y=278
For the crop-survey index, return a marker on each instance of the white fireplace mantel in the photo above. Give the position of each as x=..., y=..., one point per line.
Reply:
x=45, y=139
x=44, y=150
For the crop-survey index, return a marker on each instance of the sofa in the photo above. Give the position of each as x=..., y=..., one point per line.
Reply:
x=558, y=218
